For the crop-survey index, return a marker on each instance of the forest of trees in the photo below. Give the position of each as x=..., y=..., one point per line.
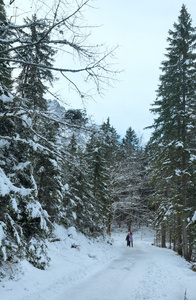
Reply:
x=57, y=167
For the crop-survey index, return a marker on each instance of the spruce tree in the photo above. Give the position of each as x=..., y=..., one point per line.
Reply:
x=22, y=217
x=130, y=141
x=98, y=177
x=78, y=199
x=5, y=34
x=32, y=79
x=32, y=87
x=112, y=154
x=28, y=159
x=174, y=125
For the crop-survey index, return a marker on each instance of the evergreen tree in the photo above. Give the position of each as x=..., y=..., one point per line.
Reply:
x=130, y=141
x=32, y=87
x=5, y=33
x=112, y=155
x=78, y=200
x=31, y=79
x=98, y=178
x=111, y=143
x=31, y=166
x=22, y=217
x=173, y=147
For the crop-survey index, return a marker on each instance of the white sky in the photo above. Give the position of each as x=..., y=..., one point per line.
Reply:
x=140, y=28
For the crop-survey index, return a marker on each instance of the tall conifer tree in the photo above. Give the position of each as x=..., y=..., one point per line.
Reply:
x=98, y=178
x=31, y=80
x=5, y=33
x=173, y=128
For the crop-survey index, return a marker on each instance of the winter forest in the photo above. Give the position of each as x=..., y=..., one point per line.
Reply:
x=58, y=167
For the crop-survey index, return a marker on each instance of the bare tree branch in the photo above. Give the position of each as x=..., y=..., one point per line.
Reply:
x=91, y=60
x=27, y=44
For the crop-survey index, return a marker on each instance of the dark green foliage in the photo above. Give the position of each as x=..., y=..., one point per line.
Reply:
x=130, y=141
x=32, y=77
x=173, y=148
x=22, y=217
x=5, y=33
x=98, y=177
x=28, y=164
x=78, y=199
x=76, y=116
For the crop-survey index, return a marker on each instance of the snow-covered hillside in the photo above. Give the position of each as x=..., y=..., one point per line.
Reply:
x=82, y=269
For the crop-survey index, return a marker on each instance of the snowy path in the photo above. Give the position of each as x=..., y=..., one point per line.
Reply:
x=140, y=273
x=99, y=271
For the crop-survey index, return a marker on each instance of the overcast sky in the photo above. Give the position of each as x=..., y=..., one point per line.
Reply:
x=140, y=28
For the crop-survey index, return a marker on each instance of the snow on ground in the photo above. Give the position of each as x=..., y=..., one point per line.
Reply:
x=96, y=270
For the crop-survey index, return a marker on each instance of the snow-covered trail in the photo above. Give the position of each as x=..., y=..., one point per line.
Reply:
x=142, y=272
x=98, y=271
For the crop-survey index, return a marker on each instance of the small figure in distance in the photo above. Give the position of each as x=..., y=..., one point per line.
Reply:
x=131, y=238
x=127, y=239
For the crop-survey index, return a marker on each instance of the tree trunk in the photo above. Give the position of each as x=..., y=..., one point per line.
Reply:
x=170, y=239
x=174, y=244
x=179, y=237
x=109, y=228
x=163, y=236
x=185, y=241
x=184, y=167
x=190, y=242
x=129, y=225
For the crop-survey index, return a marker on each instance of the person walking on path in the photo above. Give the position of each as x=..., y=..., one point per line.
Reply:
x=127, y=239
x=131, y=239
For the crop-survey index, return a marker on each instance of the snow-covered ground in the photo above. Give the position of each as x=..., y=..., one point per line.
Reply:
x=96, y=270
